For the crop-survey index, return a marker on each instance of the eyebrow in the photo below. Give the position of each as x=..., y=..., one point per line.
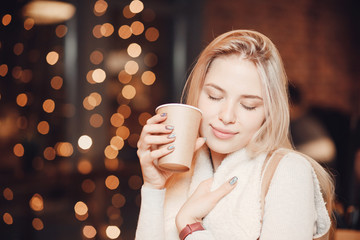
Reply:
x=242, y=96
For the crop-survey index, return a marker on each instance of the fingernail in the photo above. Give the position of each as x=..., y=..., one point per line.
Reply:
x=171, y=135
x=171, y=147
x=169, y=127
x=205, y=139
x=233, y=180
x=163, y=114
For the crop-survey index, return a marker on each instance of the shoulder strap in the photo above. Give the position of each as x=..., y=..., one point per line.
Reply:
x=274, y=157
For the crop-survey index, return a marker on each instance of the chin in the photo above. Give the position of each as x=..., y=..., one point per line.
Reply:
x=222, y=148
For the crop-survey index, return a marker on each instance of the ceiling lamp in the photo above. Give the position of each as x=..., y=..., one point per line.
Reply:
x=48, y=12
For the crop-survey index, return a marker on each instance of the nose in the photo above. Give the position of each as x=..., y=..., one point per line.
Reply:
x=227, y=113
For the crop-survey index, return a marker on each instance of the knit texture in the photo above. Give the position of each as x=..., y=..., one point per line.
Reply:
x=294, y=207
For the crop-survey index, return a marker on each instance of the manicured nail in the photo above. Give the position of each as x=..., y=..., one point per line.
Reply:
x=163, y=114
x=171, y=135
x=233, y=180
x=205, y=139
x=171, y=147
x=169, y=127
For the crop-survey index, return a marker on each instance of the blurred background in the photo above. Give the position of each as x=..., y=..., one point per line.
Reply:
x=79, y=79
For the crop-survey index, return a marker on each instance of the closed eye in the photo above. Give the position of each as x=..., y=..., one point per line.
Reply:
x=248, y=108
x=214, y=98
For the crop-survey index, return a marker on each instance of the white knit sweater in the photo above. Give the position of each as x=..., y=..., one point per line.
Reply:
x=294, y=207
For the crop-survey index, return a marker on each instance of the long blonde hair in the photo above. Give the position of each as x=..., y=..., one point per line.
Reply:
x=274, y=133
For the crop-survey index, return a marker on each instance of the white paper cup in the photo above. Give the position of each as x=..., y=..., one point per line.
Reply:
x=186, y=121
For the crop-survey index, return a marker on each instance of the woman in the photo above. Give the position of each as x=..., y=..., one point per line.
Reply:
x=240, y=85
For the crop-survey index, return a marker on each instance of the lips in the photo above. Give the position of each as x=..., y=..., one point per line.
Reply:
x=222, y=133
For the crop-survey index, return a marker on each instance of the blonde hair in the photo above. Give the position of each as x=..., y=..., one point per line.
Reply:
x=274, y=133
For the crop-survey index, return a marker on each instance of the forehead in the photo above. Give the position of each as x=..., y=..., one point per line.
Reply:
x=235, y=75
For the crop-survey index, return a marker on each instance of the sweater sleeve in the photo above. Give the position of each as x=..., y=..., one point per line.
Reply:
x=151, y=218
x=289, y=205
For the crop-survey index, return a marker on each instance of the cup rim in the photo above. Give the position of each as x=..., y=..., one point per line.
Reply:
x=178, y=104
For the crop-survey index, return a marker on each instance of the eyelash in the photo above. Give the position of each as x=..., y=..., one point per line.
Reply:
x=244, y=106
x=248, y=108
x=213, y=98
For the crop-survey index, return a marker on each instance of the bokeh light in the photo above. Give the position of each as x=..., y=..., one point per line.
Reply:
x=18, y=48
x=152, y=34
x=124, y=77
x=117, y=119
x=96, y=57
x=107, y=29
x=125, y=32
x=8, y=194
x=125, y=110
x=36, y=202
x=100, y=7
x=84, y=166
x=88, y=186
x=96, y=31
x=81, y=208
x=85, y=142
x=88, y=230
x=112, y=182
x=37, y=224
x=61, y=31
x=128, y=92
x=6, y=19
x=22, y=99
x=49, y=153
x=111, y=164
x=134, y=50
x=136, y=6
x=3, y=70
x=148, y=78
x=64, y=149
x=127, y=13
x=137, y=28
x=111, y=152
x=43, y=127
x=56, y=82
x=143, y=117
x=135, y=182
x=98, y=75
x=123, y=132
x=29, y=23
x=18, y=150
x=118, y=200
x=117, y=142
x=8, y=219
x=52, y=58
x=112, y=232
x=131, y=67
x=49, y=105
x=150, y=59
x=96, y=120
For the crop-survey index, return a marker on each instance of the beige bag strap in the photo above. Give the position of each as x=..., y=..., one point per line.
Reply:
x=274, y=157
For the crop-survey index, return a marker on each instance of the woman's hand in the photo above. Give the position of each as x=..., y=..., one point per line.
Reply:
x=202, y=201
x=153, y=135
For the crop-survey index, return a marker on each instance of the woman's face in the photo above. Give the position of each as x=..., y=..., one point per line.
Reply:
x=232, y=104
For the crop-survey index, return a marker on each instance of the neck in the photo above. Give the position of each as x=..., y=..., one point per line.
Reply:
x=216, y=159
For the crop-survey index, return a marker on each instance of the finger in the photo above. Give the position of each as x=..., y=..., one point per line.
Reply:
x=157, y=129
x=224, y=189
x=158, y=118
x=163, y=151
x=150, y=140
x=199, y=143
